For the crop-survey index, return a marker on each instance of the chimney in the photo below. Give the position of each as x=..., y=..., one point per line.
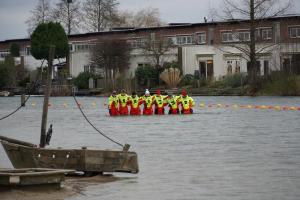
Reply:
x=205, y=20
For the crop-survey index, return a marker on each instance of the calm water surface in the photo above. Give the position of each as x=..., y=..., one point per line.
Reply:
x=215, y=154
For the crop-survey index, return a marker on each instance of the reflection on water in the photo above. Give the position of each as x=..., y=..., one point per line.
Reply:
x=217, y=153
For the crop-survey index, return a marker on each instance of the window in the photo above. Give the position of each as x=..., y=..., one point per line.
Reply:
x=237, y=67
x=143, y=65
x=227, y=37
x=201, y=37
x=184, y=39
x=136, y=43
x=244, y=36
x=28, y=49
x=3, y=54
x=266, y=34
x=172, y=40
x=257, y=34
x=295, y=32
x=229, y=67
x=71, y=48
x=82, y=47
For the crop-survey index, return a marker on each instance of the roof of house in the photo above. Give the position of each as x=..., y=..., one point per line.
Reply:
x=127, y=30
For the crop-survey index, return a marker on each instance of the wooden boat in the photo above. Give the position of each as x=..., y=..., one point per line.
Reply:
x=32, y=176
x=27, y=155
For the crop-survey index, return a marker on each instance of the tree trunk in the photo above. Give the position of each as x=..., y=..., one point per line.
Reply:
x=253, y=69
x=47, y=93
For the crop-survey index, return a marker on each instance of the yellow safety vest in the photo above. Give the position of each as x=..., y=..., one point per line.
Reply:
x=113, y=100
x=159, y=100
x=123, y=99
x=135, y=101
x=186, y=101
x=173, y=102
x=148, y=101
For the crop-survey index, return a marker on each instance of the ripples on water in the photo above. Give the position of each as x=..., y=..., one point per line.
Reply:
x=217, y=153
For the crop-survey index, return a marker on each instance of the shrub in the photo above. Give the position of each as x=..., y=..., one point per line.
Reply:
x=187, y=79
x=82, y=80
x=236, y=80
x=143, y=74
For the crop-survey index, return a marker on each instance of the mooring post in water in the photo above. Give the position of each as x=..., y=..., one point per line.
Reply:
x=47, y=92
x=23, y=100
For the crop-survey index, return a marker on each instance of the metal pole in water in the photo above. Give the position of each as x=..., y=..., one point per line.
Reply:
x=47, y=93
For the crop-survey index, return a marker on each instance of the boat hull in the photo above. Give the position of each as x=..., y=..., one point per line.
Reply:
x=84, y=160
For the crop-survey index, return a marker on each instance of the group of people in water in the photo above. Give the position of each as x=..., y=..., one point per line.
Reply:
x=119, y=104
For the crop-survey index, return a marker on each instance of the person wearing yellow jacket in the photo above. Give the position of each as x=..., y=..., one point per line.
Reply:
x=186, y=102
x=160, y=103
x=135, y=102
x=123, y=102
x=173, y=104
x=148, y=101
x=113, y=104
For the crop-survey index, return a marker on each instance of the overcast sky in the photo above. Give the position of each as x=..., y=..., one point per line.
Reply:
x=13, y=13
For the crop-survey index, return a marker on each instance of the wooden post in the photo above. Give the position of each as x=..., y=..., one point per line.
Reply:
x=23, y=100
x=47, y=92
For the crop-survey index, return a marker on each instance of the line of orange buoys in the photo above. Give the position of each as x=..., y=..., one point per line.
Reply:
x=201, y=106
x=258, y=107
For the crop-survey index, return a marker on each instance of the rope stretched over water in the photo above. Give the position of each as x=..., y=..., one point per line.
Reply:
x=23, y=104
x=78, y=105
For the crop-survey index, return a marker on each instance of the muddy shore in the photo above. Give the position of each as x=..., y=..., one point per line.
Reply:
x=72, y=186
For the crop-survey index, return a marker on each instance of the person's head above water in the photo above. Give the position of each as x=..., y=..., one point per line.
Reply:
x=183, y=93
x=133, y=94
x=157, y=92
x=123, y=91
x=147, y=93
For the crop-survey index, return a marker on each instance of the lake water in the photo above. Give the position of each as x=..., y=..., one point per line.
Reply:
x=215, y=154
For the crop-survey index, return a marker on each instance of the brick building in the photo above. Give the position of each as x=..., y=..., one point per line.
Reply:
x=208, y=50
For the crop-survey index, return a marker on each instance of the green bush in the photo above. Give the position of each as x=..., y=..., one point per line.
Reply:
x=82, y=80
x=282, y=84
x=187, y=79
x=236, y=80
x=145, y=73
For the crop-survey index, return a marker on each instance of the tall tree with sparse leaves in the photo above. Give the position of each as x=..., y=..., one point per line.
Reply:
x=40, y=14
x=111, y=55
x=68, y=13
x=255, y=12
x=146, y=17
x=99, y=14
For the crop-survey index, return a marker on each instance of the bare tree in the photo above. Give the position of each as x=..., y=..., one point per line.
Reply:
x=147, y=17
x=111, y=55
x=67, y=12
x=252, y=13
x=99, y=14
x=155, y=48
x=40, y=14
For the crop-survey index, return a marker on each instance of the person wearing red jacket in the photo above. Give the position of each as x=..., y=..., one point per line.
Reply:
x=123, y=103
x=159, y=102
x=186, y=102
x=148, y=102
x=134, y=104
x=113, y=103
